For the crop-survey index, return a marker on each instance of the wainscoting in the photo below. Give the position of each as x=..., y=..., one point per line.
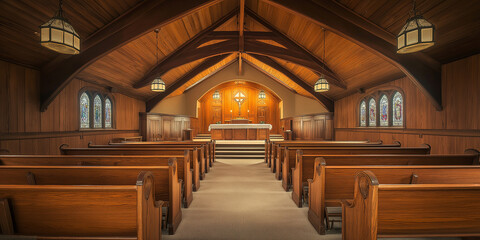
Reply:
x=310, y=127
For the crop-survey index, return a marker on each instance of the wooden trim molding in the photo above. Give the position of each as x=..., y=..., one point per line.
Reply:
x=411, y=131
x=80, y=133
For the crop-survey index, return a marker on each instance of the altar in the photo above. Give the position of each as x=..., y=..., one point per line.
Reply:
x=240, y=131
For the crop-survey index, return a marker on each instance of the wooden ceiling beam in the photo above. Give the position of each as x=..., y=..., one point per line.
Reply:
x=191, y=45
x=233, y=35
x=241, y=38
x=290, y=43
x=325, y=101
x=144, y=18
x=424, y=71
x=190, y=54
x=184, y=79
x=294, y=56
x=186, y=56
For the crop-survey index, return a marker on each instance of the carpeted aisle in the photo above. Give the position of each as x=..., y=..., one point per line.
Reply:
x=240, y=199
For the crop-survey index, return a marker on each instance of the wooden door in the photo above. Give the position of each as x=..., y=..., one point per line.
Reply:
x=262, y=114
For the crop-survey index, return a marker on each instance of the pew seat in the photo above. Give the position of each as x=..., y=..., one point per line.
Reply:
x=193, y=152
x=332, y=184
x=449, y=208
x=167, y=184
x=183, y=163
x=82, y=212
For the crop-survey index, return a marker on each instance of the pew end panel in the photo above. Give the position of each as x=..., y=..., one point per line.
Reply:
x=195, y=169
x=359, y=217
x=175, y=197
x=297, y=183
x=187, y=180
x=148, y=209
x=476, y=153
x=316, y=197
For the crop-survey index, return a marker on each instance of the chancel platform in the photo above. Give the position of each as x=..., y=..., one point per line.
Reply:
x=240, y=131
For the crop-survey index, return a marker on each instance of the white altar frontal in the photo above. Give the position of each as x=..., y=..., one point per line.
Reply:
x=240, y=131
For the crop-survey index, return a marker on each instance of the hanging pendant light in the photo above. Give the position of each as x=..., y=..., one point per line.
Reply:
x=416, y=35
x=58, y=35
x=262, y=95
x=158, y=85
x=322, y=84
x=216, y=95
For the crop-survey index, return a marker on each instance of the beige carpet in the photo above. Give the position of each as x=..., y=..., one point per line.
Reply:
x=240, y=199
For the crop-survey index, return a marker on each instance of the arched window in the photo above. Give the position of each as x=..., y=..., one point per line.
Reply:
x=108, y=113
x=363, y=114
x=384, y=111
x=84, y=111
x=397, y=110
x=97, y=112
x=372, y=113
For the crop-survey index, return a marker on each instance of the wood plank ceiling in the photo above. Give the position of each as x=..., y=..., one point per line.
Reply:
x=457, y=24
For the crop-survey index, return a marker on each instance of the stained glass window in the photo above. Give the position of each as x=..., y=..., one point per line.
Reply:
x=363, y=114
x=108, y=113
x=372, y=113
x=384, y=111
x=84, y=111
x=397, y=109
x=97, y=112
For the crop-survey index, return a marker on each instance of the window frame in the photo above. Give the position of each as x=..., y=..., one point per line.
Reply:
x=377, y=94
x=92, y=93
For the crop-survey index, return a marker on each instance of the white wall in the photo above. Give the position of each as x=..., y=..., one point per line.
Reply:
x=186, y=104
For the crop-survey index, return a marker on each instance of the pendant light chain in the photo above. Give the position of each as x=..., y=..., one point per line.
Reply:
x=156, y=45
x=324, y=55
x=158, y=85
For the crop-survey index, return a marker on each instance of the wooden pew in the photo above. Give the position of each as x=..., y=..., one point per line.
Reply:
x=304, y=164
x=82, y=212
x=193, y=155
x=207, y=145
x=280, y=153
x=76, y=160
x=447, y=206
x=290, y=155
x=331, y=182
x=168, y=186
x=276, y=147
x=202, y=150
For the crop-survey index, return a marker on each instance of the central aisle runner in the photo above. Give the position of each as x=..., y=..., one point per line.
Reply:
x=240, y=199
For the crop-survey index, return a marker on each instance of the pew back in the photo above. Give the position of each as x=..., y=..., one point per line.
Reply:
x=331, y=184
x=406, y=210
x=291, y=152
x=167, y=185
x=72, y=212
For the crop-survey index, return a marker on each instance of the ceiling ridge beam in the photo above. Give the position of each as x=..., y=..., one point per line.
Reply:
x=325, y=101
x=150, y=104
x=191, y=45
x=57, y=77
x=423, y=71
x=290, y=43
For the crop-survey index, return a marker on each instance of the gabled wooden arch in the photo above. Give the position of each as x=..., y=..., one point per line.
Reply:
x=424, y=71
x=143, y=18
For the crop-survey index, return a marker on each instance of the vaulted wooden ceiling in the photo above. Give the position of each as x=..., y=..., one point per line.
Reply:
x=197, y=38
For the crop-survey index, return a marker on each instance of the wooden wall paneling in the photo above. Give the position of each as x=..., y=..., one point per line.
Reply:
x=4, y=106
x=310, y=127
x=26, y=130
x=449, y=131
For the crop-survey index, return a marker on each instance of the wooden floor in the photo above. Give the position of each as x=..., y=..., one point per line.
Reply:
x=240, y=199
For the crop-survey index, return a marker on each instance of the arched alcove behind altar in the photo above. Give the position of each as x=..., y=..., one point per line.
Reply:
x=226, y=108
